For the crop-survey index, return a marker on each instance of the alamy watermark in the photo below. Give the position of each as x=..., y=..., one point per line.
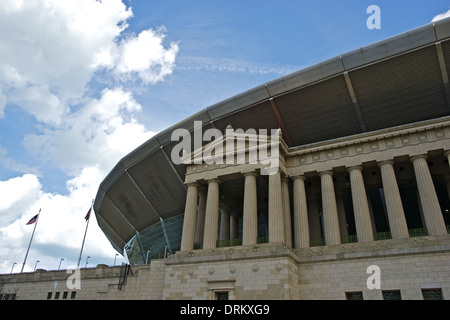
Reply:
x=374, y=280
x=74, y=280
x=235, y=147
x=374, y=20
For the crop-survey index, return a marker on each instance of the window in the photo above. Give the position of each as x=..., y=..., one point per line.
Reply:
x=392, y=295
x=65, y=294
x=56, y=295
x=73, y=294
x=354, y=295
x=49, y=295
x=432, y=294
x=222, y=295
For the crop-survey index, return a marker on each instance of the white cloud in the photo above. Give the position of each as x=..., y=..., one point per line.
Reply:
x=61, y=224
x=441, y=16
x=146, y=56
x=53, y=49
x=97, y=135
x=50, y=54
x=233, y=65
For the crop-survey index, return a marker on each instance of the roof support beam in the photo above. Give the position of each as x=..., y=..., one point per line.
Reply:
x=441, y=59
x=105, y=224
x=173, y=167
x=361, y=121
x=142, y=193
x=120, y=211
x=280, y=122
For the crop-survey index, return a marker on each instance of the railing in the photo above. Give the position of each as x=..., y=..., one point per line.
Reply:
x=125, y=270
x=385, y=235
x=418, y=232
x=349, y=238
x=382, y=235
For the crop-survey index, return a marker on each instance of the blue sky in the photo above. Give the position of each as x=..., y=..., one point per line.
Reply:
x=82, y=83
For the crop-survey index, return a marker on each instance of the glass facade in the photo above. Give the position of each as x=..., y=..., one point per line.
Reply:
x=155, y=241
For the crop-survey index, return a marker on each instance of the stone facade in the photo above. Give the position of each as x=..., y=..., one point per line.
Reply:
x=304, y=204
x=259, y=272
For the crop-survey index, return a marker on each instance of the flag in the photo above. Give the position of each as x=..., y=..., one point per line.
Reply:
x=88, y=215
x=33, y=220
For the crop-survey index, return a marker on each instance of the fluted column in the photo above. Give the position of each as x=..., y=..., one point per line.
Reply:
x=224, y=224
x=212, y=215
x=250, y=210
x=394, y=206
x=301, y=226
x=341, y=213
x=190, y=211
x=234, y=226
x=428, y=198
x=315, y=230
x=276, y=223
x=330, y=215
x=363, y=223
x=286, y=211
x=200, y=229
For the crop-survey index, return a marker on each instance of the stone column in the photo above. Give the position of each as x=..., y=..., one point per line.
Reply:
x=234, y=226
x=286, y=211
x=315, y=229
x=341, y=213
x=301, y=226
x=187, y=237
x=428, y=198
x=224, y=224
x=200, y=215
x=394, y=206
x=330, y=215
x=212, y=215
x=447, y=154
x=250, y=210
x=363, y=223
x=276, y=223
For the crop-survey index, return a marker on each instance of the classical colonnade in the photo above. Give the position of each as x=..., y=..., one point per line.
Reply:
x=202, y=207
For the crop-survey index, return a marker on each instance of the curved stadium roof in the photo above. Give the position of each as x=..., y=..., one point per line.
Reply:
x=400, y=80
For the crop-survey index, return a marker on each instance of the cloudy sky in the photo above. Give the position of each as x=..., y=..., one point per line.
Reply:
x=84, y=82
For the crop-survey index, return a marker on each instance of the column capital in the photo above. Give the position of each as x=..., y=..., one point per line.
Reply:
x=250, y=173
x=358, y=167
x=192, y=184
x=330, y=172
x=419, y=156
x=214, y=180
x=298, y=177
x=381, y=163
x=447, y=152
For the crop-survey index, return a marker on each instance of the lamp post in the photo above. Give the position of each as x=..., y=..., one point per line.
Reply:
x=85, y=266
x=13, y=266
x=35, y=265
x=60, y=263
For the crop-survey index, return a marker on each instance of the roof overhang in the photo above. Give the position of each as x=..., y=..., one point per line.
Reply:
x=397, y=81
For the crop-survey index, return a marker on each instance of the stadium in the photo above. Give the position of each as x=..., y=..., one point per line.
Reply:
x=397, y=82
x=363, y=180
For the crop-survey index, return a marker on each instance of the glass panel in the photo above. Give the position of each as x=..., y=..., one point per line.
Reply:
x=392, y=295
x=354, y=295
x=432, y=294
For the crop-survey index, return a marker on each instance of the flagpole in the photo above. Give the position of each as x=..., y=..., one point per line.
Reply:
x=29, y=245
x=84, y=238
